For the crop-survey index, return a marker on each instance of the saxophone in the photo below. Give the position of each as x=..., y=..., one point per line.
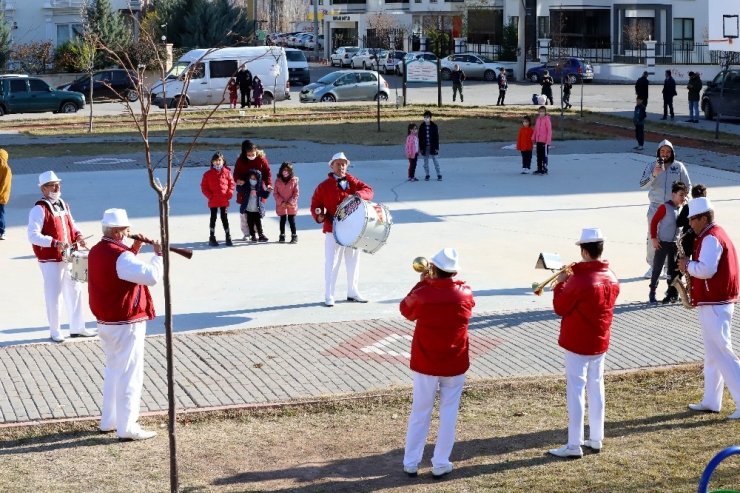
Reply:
x=683, y=289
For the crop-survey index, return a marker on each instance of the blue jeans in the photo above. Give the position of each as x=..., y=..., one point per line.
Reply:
x=2, y=219
x=693, y=110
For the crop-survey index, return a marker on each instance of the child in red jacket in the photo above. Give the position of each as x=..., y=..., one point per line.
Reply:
x=218, y=187
x=232, y=88
x=524, y=143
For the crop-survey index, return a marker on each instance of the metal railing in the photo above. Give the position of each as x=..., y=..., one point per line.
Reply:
x=674, y=53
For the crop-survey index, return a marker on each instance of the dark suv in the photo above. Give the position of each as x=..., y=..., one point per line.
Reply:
x=729, y=99
x=107, y=84
x=32, y=95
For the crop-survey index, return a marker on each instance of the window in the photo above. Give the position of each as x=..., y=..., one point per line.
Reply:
x=66, y=32
x=543, y=27
x=637, y=30
x=38, y=85
x=223, y=69
x=197, y=71
x=683, y=34
x=367, y=77
x=588, y=28
x=17, y=86
x=101, y=76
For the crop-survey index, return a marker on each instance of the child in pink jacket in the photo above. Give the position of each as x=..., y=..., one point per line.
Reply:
x=286, y=200
x=542, y=138
x=412, y=150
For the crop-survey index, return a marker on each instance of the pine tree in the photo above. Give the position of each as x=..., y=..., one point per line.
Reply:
x=4, y=41
x=108, y=26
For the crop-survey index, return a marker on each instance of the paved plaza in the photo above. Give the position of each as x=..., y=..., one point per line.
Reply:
x=250, y=322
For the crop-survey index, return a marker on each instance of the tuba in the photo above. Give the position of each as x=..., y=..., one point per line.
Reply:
x=683, y=290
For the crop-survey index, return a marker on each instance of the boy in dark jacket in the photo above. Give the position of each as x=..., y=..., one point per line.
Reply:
x=429, y=144
x=694, y=88
x=669, y=91
x=254, y=190
x=638, y=118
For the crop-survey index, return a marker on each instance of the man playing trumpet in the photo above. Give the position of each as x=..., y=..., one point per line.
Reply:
x=584, y=297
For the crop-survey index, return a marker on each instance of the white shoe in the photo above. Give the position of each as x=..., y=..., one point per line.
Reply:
x=137, y=435
x=525, y=171
x=565, y=451
x=735, y=415
x=649, y=273
x=411, y=471
x=329, y=301
x=440, y=472
x=2, y=236
x=594, y=445
x=245, y=237
x=57, y=338
x=701, y=408
x=84, y=333
x=356, y=299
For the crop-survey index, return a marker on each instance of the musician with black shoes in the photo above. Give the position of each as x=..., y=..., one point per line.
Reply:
x=326, y=198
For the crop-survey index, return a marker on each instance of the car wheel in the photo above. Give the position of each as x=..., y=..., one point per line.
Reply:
x=364, y=66
x=572, y=78
x=446, y=74
x=68, y=107
x=2, y=111
x=489, y=75
x=534, y=78
x=382, y=96
x=132, y=96
x=709, y=111
x=328, y=98
x=176, y=102
x=267, y=99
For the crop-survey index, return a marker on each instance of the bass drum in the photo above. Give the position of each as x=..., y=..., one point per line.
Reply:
x=362, y=224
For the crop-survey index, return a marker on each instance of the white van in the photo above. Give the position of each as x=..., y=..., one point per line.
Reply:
x=211, y=70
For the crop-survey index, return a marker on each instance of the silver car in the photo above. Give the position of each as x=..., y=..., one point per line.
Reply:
x=346, y=85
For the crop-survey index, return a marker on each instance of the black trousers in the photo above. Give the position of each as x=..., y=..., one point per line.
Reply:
x=246, y=96
x=526, y=159
x=501, y=96
x=542, y=152
x=666, y=252
x=640, y=134
x=254, y=223
x=224, y=219
x=412, y=165
x=668, y=105
x=291, y=222
x=548, y=96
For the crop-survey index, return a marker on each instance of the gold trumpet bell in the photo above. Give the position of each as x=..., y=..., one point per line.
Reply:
x=420, y=264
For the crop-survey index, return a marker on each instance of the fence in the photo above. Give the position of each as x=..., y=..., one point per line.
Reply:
x=665, y=54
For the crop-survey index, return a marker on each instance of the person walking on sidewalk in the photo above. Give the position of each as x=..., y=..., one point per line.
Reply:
x=567, y=88
x=118, y=288
x=546, y=84
x=324, y=203
x=52, y=231
x=714, y=290
x=286, y=200
x=218, y=187
x=429, y=144
x=503, y=85
x=584, y=298
x=638, y=119
x=669, y=92
x=694, y=87
x=441, y=307
x=412, y=150
x=658, y=177
x=542, y=138
x=642, y=88
x=457, y=76
x=6, y=181
x=244, y=80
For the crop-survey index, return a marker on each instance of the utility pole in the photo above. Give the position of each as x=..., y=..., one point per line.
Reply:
x=316, y=30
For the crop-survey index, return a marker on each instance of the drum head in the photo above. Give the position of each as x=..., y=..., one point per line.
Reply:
x=349, y=221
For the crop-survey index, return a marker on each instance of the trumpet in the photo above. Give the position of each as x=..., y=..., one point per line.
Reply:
x=539, y=287
x=421, y=265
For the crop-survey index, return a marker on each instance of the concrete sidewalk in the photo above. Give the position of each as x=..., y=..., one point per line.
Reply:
x=297, y=362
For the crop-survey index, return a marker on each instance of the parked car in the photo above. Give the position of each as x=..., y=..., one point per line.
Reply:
x=574, y=69
x=297, y=66
x=310, y=42
x=343, y=55
x=366, y=58
x=728, y=99
x=107, y=84
x=300, y=40
x=346, y=85
x=476, y=66
x=33, y=95
x=390, y=61
x=413, y=55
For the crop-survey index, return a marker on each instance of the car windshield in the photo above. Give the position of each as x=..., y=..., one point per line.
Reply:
x=330, y=78
x=295, y=56
x=485, y=59
x=177, y=70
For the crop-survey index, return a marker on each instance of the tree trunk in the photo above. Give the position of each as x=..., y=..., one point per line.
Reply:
x=90, y=122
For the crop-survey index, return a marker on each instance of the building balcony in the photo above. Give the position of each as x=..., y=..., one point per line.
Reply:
x=64, y=4
x=7, y=6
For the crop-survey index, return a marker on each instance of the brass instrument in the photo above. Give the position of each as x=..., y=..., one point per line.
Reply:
x=538, y=288
x=421, y=265
x=683, y=290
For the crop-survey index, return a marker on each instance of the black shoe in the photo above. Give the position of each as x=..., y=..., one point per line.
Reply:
x=664, y=118
x=426, y=178
x=294, y=239
x=538, y=172
x=669, y=299
x=651, y=298
x=263, y=238
x=253, y=239
x=439, y=177
x=281, y=239
x=212, y=241
x=228, y=240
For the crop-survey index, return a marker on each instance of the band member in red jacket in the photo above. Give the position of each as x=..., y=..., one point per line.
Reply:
x=326, y=198
x=441, y=307
x=714, y=290
x=121, y=302
x=51, y=231
x=585, y=298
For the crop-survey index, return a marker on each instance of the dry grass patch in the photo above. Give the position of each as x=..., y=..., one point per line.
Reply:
x=653, y=444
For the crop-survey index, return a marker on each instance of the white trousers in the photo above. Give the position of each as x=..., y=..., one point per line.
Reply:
x=123, y=377
x=58, y=284
x=333, y=259
x=584, y=375
x=721, y=364
x=425, y=391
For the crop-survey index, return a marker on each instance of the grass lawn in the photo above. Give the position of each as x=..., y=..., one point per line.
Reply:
x=653, y=444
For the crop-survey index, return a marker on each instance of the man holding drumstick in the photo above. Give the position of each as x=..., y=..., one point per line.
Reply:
x=120, y=300
x=326, y=198
x=51, y=231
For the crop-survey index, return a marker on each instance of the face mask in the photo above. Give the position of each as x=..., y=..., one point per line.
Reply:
x=251, y=156
x=252, y=182
x=218, y=167
x=427, y=120
x=542, y=114
x=286, y=174
x=54, y=196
